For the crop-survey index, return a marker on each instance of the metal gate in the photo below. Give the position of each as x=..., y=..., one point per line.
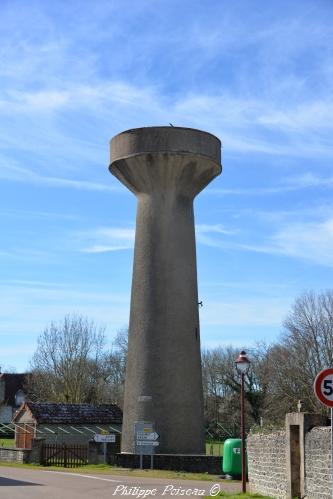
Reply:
x=68, y=456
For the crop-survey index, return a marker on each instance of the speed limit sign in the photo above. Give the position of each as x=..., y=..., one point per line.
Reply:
x=323, y=387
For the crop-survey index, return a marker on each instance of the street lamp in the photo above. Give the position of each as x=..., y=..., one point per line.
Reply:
x=242, y=366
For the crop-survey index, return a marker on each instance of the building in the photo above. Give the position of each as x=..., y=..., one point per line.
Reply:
x=64, y=423
x=12, y=395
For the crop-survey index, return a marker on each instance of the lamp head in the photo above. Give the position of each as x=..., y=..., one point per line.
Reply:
x=242, y=363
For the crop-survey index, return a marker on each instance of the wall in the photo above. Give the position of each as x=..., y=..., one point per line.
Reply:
x=14, y=455
x=177, y=462
x=318, y=463
x=282, y=466
x=267, y=463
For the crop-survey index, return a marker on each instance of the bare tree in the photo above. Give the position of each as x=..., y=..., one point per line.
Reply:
x=112, y=371
x=222, y=389
x=305, y=348
x=67, y=355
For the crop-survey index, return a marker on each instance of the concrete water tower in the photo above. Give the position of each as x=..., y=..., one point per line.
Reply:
x=165, y=168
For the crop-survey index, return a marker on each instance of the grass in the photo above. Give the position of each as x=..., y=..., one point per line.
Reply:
x=7, y=442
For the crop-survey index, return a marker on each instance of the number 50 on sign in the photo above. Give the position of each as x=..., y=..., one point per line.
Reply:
x=323, y=387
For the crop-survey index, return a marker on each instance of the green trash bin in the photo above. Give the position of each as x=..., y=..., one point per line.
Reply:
x=232, y=457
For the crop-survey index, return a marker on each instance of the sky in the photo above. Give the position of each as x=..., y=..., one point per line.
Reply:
x=257, y=74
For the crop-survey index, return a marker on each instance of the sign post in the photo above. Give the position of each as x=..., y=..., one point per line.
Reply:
x=105, y=438
x=323, y=388
x=145, y=440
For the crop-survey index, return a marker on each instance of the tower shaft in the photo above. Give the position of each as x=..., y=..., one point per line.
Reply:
x=163, y=374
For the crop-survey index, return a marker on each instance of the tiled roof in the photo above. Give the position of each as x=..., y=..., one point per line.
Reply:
x=13, y=382
x=74, y=413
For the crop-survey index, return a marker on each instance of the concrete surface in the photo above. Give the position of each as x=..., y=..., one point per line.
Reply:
x=21, y=483
x=165, y=167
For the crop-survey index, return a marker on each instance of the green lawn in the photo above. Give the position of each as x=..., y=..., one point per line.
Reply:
x=7, y=442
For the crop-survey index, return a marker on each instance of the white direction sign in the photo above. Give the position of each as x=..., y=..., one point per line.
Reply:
x=149, y=435
x=105, y=438
x=145, y=438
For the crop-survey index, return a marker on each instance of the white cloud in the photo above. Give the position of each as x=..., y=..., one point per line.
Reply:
x=25, y=175
x=38, y=101
x=309, y=241
x=106, y=248
x=106, y=239
x=289, y=184
x=309, y=115
x=77, y=96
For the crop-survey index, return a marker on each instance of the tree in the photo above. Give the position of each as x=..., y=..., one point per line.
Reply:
x=65, y=363
x=305, y=348
x=222, y=389
x=111, y=371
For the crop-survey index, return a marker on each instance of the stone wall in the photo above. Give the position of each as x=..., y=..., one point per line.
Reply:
x=177, y=462
x=267, y=463
x=318, y=463
x=14, y=455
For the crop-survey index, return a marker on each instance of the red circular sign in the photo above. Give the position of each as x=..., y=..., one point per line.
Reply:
x=323, y=387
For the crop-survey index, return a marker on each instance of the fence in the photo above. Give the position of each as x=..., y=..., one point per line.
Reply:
x=63, y=455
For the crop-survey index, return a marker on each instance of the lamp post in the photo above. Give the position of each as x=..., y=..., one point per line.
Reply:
x=242, y=366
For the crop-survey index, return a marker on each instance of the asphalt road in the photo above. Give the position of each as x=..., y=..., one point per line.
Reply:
x=22, y=483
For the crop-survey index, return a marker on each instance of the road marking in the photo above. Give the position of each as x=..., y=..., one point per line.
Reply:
x=82, y=476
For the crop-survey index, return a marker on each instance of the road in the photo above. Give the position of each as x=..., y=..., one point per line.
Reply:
x=23, y=483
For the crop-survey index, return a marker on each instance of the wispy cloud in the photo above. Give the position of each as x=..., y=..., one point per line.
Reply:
x=217, y=228
x=289, y=184
x=106, y=239
x=309, y=116
x=310, y=241
x=19, y=174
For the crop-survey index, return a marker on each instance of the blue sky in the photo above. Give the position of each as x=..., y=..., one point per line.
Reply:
x=257, y=74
